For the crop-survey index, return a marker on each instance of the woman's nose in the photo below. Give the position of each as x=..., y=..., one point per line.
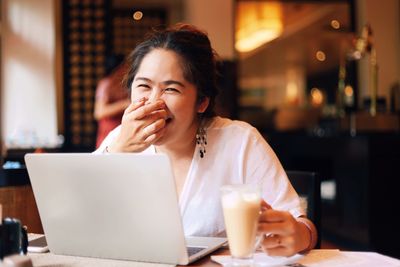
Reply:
x=154, y=95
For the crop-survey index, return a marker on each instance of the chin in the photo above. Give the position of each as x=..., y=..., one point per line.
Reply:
x=165, y=138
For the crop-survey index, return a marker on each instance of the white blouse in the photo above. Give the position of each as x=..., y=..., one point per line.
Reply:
x=236, y=153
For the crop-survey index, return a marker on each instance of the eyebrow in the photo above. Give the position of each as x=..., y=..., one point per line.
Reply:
x=142, y=79
x=168, y=82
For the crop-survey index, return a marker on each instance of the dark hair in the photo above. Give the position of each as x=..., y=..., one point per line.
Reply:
x=198, y=59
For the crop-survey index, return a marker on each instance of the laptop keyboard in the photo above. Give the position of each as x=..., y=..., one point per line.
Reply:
x=193, y=250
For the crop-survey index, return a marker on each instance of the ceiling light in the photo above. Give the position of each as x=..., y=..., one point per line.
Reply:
x=257, y=24
x=138, y=15
x=320, y=56
x=335, y=24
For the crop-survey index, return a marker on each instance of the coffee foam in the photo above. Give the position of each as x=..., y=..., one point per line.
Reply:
x=233, y=199
x=251, y=197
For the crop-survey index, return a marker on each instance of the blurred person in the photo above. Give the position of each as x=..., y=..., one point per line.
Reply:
x=112, y=98
x=172, y=78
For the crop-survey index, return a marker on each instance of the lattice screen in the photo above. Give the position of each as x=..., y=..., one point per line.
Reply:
x=85, y=48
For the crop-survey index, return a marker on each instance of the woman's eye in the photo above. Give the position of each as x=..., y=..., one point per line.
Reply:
x=143, y=86
x=171, y=90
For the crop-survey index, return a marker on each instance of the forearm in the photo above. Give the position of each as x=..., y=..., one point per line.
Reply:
x=103, y=110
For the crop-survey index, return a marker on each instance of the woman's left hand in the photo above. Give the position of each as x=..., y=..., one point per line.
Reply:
x=284, y=235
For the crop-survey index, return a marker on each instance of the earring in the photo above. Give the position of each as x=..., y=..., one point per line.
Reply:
x=201, y=140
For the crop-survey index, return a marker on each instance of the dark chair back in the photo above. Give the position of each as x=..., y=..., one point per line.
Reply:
x=308, y=186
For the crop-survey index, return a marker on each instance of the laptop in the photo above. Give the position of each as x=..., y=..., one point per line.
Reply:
x=115, y=206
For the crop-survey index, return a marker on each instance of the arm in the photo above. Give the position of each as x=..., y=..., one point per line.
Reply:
x=287, y=231
x=102, y=109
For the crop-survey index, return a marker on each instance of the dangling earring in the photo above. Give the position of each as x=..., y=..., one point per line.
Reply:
x=201, y=139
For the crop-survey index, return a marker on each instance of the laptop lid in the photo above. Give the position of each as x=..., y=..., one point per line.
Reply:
x=118, y=206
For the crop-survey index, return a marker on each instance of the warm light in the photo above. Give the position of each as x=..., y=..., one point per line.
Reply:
x=138, y=15
x=317, y=97
x=292, y=93
x=257, y=24
x=320, y=56
x=349, y=95
x=348, y=91
x=335, y=24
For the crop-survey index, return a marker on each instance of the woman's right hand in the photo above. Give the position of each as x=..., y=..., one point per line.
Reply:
x=142, y=124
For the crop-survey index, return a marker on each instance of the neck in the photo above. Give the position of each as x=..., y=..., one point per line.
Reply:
x=184, y=150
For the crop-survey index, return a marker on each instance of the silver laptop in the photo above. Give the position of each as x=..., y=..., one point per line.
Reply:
x=117, y=206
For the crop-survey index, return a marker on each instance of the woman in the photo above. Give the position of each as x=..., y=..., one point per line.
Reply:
x=172, y=78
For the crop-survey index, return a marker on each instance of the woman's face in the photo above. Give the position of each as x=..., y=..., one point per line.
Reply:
x=160, y=76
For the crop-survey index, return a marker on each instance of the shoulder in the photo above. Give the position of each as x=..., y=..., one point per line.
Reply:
x=104, y=82
x=238, y=137
x=102, y=89
x=232, y=128
x=219, y=123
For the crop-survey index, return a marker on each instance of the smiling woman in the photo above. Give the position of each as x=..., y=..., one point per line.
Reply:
x=165, y=68
x=172, y=77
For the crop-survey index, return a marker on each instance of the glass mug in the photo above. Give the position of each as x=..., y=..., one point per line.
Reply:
x=241, y=205
x=13, y=238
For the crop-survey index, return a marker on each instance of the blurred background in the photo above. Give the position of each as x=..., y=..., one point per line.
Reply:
x=319, y=79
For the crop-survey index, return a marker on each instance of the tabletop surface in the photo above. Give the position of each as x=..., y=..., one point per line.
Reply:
x=318, y=257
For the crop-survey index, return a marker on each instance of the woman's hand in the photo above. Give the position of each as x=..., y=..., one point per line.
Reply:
x=142, y=124
x=284, y=235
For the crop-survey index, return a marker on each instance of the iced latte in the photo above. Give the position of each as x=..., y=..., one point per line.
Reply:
x=241, y=207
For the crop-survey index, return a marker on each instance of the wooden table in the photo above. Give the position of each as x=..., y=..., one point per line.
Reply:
x=314, y=258
x=19, y=202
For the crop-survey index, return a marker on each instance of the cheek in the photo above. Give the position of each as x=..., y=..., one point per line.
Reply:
x=136, y=95
x=181, y=109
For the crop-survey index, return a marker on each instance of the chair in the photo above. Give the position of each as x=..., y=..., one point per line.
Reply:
x=308, y=186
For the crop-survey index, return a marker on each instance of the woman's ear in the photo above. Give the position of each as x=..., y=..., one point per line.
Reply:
x=203, y=105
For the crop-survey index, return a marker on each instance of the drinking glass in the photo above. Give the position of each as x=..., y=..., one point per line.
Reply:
x=241, y=206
